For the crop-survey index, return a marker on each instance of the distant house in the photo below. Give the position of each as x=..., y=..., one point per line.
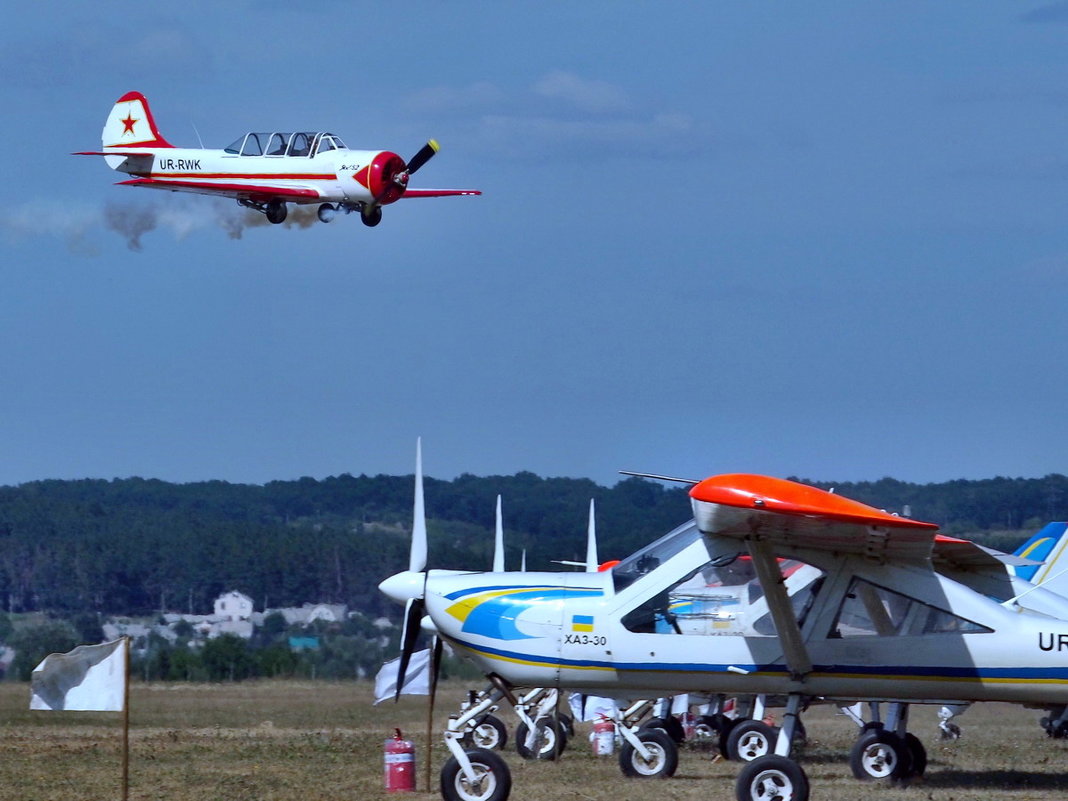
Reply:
x=331, y=613
x=303, y=643
x=233, y=605
x=309, y=613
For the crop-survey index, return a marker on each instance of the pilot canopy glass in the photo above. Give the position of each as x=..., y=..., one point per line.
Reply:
x=302, y=144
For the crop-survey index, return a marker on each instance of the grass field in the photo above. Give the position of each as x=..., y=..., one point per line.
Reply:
x=305, y=741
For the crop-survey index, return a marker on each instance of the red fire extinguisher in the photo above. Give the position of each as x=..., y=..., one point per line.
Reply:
x=400, y=764
x=603, y=736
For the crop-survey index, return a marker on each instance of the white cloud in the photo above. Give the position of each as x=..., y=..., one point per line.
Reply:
x=593, y=97
x=436, y=99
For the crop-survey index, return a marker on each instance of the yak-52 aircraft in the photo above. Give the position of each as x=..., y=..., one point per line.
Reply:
x=837, y=600
x=263, y=170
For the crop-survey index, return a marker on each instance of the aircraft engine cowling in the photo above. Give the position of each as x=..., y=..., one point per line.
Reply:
x=379, y=175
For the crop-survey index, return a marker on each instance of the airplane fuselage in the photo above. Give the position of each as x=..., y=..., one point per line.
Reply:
x=872, y=631
x=336, y=176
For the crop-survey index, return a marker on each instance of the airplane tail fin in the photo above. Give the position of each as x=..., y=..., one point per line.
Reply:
x=1048, y=546
x=131, y=125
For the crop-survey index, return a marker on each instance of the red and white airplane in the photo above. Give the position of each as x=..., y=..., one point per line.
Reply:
x=263, y=170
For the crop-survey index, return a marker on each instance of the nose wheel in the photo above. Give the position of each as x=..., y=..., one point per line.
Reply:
x=276, y=211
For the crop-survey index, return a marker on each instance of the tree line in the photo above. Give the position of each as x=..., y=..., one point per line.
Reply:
x=141, y=546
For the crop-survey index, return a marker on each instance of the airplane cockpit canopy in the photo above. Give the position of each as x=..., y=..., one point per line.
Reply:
x=301, y=143
x=654, y=554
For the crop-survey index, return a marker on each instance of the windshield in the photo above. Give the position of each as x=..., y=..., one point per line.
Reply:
x=652, y=556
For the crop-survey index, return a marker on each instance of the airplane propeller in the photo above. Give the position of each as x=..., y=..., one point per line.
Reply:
x=414, y=607
x=400, y=178
x=426, y=152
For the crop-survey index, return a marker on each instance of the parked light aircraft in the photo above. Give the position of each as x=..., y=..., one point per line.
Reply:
x=875, y=607
x=263, y=170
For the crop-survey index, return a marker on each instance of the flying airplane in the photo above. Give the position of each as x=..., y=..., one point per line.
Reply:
x=876, y=607
x=263, y=170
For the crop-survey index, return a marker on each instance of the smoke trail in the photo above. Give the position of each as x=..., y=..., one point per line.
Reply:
x=180, y=216
x=72, y=224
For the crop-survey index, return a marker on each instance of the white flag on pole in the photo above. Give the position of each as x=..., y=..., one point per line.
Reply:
x=416, y=677
x=89, y=678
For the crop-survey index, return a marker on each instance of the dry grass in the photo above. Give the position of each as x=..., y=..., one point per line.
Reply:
x=269, y=741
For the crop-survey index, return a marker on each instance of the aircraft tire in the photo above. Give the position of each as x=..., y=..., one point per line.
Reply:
x=918, y=754
x=326, y=212
x=550, y=739
x=669, y=724
x=880, y=755
x=371, y=217
x=663, y=756
x=724, y=734
x=276, y=212
x=494, y=782
x=489, y=733
x=771, y=777
x=751, y=739
x=707, y=730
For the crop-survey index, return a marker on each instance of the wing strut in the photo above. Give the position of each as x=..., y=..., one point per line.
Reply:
x=771, y=579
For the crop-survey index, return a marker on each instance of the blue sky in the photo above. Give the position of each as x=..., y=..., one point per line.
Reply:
x=822, y=239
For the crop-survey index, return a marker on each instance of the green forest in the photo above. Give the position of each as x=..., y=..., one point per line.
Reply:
x=141, y=546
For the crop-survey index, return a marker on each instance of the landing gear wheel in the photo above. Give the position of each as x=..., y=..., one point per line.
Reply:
x=326, y=212
x=880, y=755
x=549, y=739
x=371, y=216
x=276, y=212
x=493, y=780
x=751, y=739
x=725, y=730
x=771, y=778
x=918, y=754
x=706, y=731
x=951, y=731
x=663, y=756
x=669, y=724
x=489, y=733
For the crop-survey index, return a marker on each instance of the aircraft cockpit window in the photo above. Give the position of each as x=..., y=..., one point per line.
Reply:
x=254, y=143
x=234, y=147
x=872, y=611
x=338, y=143
x=326, y=144
x=301, y=144
x=718, y=599
x=651, y=556
x=277, y=147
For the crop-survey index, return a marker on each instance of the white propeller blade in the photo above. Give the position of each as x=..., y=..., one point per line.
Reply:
x=417, y=559
x=591, y=543
x=498, y=542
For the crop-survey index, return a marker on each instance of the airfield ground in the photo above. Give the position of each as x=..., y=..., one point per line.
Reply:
x=305, y=741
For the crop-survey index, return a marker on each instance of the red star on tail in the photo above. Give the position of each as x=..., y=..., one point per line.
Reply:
x=128, y=124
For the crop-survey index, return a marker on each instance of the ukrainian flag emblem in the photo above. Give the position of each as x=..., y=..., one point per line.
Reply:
x=582, y=622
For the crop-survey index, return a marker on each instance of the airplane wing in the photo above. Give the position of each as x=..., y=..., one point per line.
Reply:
x=439, y=192
x=783, y=512
x=257, y=192
x=972, y=555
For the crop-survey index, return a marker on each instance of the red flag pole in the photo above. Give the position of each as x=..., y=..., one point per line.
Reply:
x=126, y=725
